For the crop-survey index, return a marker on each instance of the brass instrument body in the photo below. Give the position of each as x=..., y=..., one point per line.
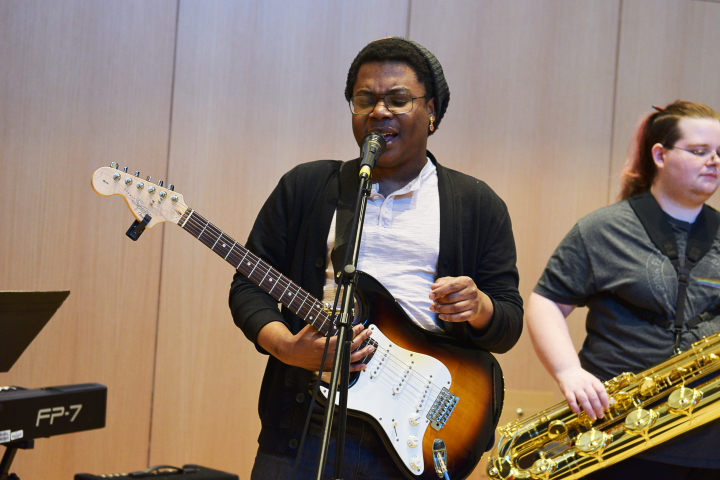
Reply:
x=649, y=408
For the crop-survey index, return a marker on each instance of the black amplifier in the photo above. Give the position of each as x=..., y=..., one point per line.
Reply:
x=43, y=412
x=164, y=472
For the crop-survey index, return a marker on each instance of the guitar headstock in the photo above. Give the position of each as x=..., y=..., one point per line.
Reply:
x=142, y=197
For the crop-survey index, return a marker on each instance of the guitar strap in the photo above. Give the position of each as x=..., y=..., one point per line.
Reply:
x=700, y=240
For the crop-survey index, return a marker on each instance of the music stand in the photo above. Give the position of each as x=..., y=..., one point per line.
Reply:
x=22, y=316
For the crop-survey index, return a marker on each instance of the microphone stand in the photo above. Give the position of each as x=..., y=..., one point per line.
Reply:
x=341, y=365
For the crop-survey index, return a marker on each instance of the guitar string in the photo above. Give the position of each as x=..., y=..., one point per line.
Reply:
x=399, y=366
x=206, y=228
x=264, y=271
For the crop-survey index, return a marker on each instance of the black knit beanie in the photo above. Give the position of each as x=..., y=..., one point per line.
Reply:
x=442, y=91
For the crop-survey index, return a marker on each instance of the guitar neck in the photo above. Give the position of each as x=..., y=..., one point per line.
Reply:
x=281, y=288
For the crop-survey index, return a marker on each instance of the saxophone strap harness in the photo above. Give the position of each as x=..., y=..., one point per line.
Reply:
x=700, y=239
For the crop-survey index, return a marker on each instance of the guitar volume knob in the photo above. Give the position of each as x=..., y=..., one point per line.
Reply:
x=414, y=418
x=413, y=441
x=415, y=463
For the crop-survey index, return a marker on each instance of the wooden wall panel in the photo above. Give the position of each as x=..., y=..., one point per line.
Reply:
x=668, y=51
x=530, y=113
x=258, y=89
x=83, y=83
x=544, y=99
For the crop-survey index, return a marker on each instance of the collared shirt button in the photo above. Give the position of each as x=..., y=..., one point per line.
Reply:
x=320, y=262
x=293, y=443
x=300, y=397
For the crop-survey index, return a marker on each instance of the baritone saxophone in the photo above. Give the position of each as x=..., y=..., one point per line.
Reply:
x=649, y=408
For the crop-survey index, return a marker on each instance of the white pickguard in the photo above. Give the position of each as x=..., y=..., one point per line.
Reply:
x=397, y=389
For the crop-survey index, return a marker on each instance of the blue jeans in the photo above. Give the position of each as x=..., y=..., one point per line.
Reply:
x=365, y=457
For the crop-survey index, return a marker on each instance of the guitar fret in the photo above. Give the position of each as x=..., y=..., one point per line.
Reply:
x=203, y=230
x=309, y=307
x=259, y=276
x=312, y=317
x=231, y=249
x=208, y=233
x=256, y=265
x=213, y=247
x=242, y=260
x=274, y=282
x=301, y=305
x=310, y=311
x=222, y=245
x=283, y=294
x=189, y=213
x=323, y=327
x=289, y=304
x=272, y=278
x=322, y=318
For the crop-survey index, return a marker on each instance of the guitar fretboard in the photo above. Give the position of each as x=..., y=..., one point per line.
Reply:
x=298, y=300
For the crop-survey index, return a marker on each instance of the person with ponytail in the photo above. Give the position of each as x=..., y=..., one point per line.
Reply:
x=609, y=263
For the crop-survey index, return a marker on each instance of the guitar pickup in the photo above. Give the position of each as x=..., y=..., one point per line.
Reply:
x=378, y=365
x=400, y=385
x=420, y=405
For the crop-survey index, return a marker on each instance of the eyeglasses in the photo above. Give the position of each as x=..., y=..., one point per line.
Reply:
x=397, y=103
x=701, y=152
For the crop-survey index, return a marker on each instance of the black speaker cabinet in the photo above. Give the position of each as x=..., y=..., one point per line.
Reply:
x=164, y=472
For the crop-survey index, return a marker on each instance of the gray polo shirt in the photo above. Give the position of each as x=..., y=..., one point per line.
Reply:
x=608, y=253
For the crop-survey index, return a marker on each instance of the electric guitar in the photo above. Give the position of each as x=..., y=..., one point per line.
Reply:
x=435, y=404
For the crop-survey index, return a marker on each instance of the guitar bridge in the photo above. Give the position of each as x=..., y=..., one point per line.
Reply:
x=442, y=408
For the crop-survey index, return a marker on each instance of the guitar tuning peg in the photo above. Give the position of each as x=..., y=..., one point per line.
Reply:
x=160, y=183
x=172, y=187
x=125, y=169
x=149, y=178
x=137, y=173
x=114, y=165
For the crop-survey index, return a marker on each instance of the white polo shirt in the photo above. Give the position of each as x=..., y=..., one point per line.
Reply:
x=400, y=245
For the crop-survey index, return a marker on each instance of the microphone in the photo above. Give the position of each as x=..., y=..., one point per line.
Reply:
x=372, y=147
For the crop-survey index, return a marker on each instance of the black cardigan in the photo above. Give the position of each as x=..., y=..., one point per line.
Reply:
x=290, y=233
